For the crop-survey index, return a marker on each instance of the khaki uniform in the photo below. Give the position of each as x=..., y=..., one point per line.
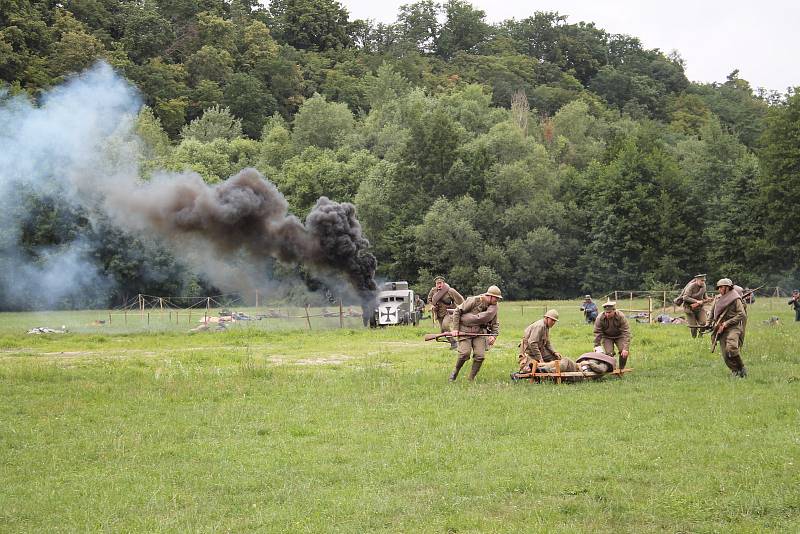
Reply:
x=734, y=317
x=474, y=315
x=694, y=292
x=536, y=346
x=537, y=350
x=610, y=331
x=439, y=310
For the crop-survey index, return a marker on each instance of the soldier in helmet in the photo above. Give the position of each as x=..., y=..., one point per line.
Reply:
x=476, y=315
x=442, y=297
x=536, y=349
x=728, y=318
x=611, y=328
x=693, y=297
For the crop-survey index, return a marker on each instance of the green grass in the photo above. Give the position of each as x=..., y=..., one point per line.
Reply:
x=283, y=430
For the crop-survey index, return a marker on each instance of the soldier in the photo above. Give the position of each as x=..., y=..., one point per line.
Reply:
x=442, y=297
x=476, y=315
x=536, y=348
x=795, y=303
x=589, y=309
x=611, y=328
x=728, y=315
x=693, y=297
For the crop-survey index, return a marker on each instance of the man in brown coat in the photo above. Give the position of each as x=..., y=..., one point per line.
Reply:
x=611, y=328
x=476, y=315
x=728, y=318
x=693, y=298
x=442, y=297
x=536, y=348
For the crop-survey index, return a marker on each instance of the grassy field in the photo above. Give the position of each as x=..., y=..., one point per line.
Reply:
x=274, y=428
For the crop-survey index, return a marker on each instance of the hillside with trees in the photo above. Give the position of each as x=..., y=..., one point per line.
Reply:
x=549, y=157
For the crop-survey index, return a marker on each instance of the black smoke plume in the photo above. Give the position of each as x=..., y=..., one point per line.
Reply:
x=248, y=214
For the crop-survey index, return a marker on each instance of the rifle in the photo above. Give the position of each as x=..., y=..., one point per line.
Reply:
x=437, y=337
x=715, y=335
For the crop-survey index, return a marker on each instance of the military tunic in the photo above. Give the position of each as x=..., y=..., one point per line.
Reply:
x=536, y=346
x=440, y=307
x=732, y=315
x=475, y=315
x=610, y=331
x=692, y=293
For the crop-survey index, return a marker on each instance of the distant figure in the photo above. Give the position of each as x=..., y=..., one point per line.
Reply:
x=692, y=298
x=728, y=316
x=795, y=303
x=589, y=309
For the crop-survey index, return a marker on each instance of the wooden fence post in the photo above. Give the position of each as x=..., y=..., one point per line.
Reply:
x=308, y=318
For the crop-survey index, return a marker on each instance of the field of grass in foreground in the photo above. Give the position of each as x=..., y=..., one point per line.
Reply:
x=352, y=430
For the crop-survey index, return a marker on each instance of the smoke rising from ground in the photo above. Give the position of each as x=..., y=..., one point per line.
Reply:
x=80, y=141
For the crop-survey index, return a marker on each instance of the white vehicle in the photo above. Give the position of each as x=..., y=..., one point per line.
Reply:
x=395, y=305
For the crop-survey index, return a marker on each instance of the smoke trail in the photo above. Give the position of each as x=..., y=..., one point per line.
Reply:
x=80, y=140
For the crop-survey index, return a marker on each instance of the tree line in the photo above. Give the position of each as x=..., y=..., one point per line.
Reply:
x=548, y=157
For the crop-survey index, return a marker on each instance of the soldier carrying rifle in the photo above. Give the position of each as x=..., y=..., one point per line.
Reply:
x=693, y=298
x=442, y=297
x=728, y=319
x=472, y=318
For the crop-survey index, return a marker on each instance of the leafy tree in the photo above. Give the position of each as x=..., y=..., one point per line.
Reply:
x=249, y=99
x=322, y=124
x=172, y=113
x=780, y=157
x=317, y=172
x=205, y=94
x=155, y=142
x=216, y=123
x=146, y=33
x=419, y=26
x=210, y=63
x=464, y=29
x=311, y=24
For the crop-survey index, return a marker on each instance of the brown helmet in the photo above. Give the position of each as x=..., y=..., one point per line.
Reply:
x=495, y=292
x=552, y=314
x=725, y=282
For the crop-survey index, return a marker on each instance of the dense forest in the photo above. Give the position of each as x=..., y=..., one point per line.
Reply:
x=548, y=157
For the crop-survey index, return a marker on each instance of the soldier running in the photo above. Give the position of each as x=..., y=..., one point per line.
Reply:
x=476, y=315
x=442, y=297
x=728, y=317
x=693, y=298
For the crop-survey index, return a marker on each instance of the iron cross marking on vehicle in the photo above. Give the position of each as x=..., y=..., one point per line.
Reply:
x=388, y=313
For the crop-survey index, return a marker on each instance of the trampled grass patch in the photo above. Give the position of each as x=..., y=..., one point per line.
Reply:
x=353, y=430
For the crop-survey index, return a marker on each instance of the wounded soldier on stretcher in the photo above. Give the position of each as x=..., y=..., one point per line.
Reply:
x=591, y=363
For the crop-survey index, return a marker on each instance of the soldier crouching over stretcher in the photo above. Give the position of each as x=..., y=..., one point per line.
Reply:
x=611, y=328
x=536, y=349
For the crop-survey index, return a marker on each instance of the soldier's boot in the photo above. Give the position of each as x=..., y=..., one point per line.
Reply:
x=459, y=364
x=743, y=372
x=694, y=332
x=476, y=366
x=453, y=343
x=622, y=362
